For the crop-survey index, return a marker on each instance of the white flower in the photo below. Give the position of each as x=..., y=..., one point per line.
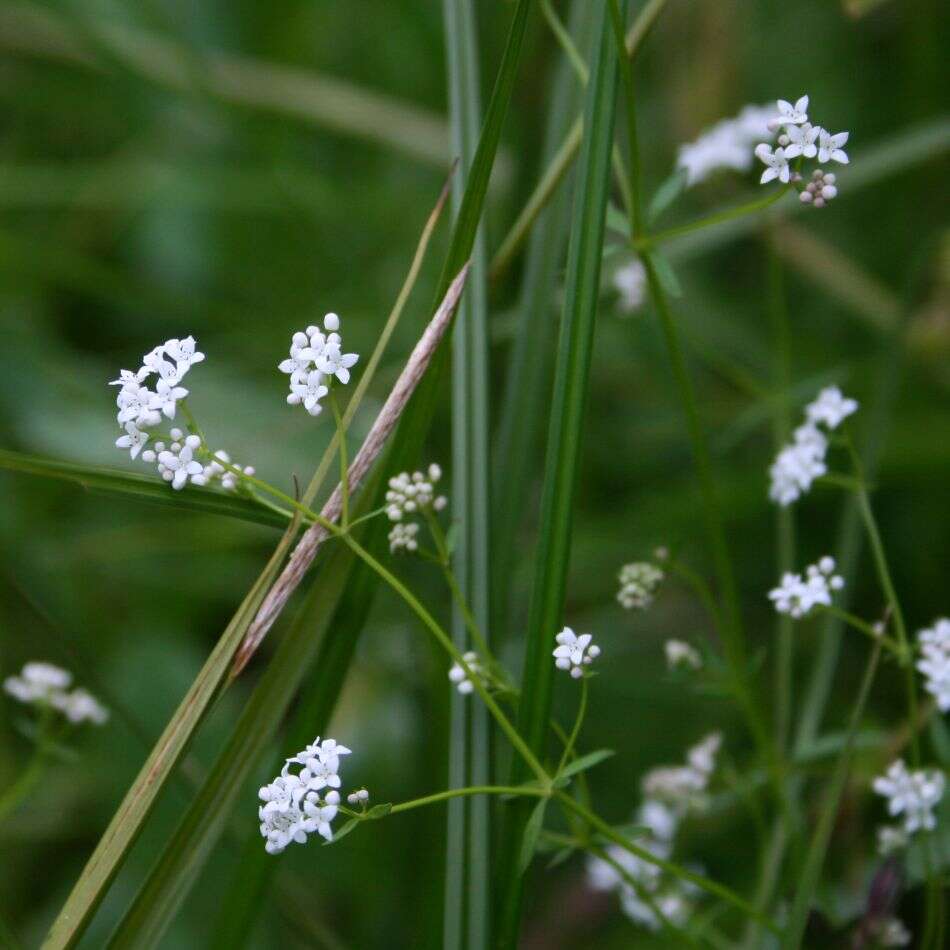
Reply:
x=830, y=408
x=776, y=164
x=891, y=839
x=702, y=756
x=299, y=361
x=319, y=813
x=403, y=537
x=801, y=139
x=789, y=114
x=459, y=677
x=37, y=682
x=134, y=439
x=893, y=933
x=167, y=396
x=797, y=596
x=638, y=583
x=911, y=794
x=682, y=787
x=136, y=405
x=725, y=145
x=630, y=282
x=680, y=655
x=183, y=352
x=182, y=465
x=128, y=378
x=309, y=390
x=830, y=147
x=574, y=652
x=798, y=464
x=659, y=818
x=334, y=363
x=44, y=684
x=934, y=646
x=80, y=706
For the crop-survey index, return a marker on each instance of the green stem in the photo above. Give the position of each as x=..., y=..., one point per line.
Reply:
x=711, y=887
x=649, y=241
x=513, y=790
x=344, y=464
x=572, y=738
x=700, y=588
x=863, y=626
x=19, y=790
x=446, y=642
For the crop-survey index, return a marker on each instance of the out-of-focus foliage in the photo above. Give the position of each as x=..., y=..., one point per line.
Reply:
x=132, y=210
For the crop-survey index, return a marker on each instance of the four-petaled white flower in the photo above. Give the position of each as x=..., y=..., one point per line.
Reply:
x=911, y=794
x=309, y=390
x=300, y=358
x=574, y=652
x=135, y=404
x=134, y=439
x=789, y=114
x=798, y=596
x=801, y=140
x=319, y=813
x=46, y=686
x=183, y=352
x=831, y=407
x=934, y=646
x=334, y=363
x=181, y=465
x=831, y=147
x=776, y=164
x=682, y=655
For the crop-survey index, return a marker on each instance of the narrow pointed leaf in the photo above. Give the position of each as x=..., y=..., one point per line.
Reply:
x=588, y=761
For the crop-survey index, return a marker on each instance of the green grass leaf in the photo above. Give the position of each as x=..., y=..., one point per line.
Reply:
x=588, y=761
x=127, y=822
x=145, y=488
x=564, y=446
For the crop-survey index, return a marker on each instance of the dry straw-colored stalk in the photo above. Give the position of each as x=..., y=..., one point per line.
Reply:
x=302, y=556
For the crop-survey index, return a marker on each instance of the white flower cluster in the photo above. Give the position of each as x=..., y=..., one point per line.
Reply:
x=682, y=656
x=411, y=493
x=800, y=462
x=797, y=595
x=574, y=652
x=47, y=686
x=296, y=804
x=726, y=145
x=934, y=646
x=630, y=282
x=670, y=793
x=911, y=794
x=891, y=932
x=638, y=583
x=141, y=408
x=799, y=138
x=460, y=678
x=315, y=358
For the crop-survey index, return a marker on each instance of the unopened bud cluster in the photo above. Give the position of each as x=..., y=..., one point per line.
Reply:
x=820, y=190
x=411, y=494
x=638, y=583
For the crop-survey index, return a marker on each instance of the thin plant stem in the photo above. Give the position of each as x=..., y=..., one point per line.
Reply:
x=710, y=886
x=649, y=241
x=18, y=791
x=446, y=642
x=863, y=626
x=578, y=722
x=700, y=588
x=344, y=463
x=732, y=631
x=513, y=790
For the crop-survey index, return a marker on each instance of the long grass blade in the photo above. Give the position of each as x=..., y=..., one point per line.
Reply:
x=206, y=818
x=466, y=902
x=564, y=440
x=128, y=820
x=145, y=488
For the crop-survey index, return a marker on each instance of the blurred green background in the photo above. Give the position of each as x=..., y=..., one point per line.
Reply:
x=233, y=171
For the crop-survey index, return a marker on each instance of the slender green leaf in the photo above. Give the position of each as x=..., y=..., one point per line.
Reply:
x=666, y=275
x=380, y=811
x=564, y=445
x=139, y=800
x=532, y=831
x=666, y=194
x=815, y=858
x=466, y=901
x=206, y=818
x=585, y=762
x=340, y=833
x=146, y=488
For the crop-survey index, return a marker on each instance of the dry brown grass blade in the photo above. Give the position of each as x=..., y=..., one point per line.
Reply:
x=306, y=550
